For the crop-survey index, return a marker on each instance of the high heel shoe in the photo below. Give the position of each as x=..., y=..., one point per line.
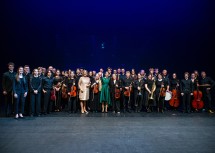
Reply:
x=86, y=112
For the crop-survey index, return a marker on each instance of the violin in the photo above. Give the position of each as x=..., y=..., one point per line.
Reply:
x=127, y=93
x=162, y=91
x=197, y=102
x=73, y=92
x=95, y=88
x=174, y=101
x=53, y=96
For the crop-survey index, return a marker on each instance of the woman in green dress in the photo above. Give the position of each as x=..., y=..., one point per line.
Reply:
x=105, y=92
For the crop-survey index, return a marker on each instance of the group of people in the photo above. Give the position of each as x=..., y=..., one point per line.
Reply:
x=47, y=90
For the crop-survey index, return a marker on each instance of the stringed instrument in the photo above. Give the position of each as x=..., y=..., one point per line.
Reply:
x=174, y=101
x=95, y=88
x=64, y=92
x=73, y=92
x=197, y=102
x=53, y=96
x=117, y=93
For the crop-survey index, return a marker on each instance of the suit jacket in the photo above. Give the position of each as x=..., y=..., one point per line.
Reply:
x=7, y=81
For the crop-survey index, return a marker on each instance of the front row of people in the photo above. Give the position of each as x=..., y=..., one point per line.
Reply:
x=107, y=93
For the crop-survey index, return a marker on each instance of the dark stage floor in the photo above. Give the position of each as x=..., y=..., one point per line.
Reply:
x=109, y=133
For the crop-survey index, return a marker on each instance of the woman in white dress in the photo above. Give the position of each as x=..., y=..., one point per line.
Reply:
x=84, y=84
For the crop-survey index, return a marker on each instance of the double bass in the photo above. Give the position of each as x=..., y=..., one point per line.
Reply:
x=197, y=102
x=174, y=101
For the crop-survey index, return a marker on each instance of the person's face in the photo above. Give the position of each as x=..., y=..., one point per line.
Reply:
x=109, y=71
x=114, y=71
x=142, y=72
x=50, y=68
x=106, y=74
x=36, y=72
x=11, y=67
x=78, y=71
x=149, y=77
x=127, y=74
x=123, y=71
x=186, y=76
x=72, y=74
x=90, y=73
x=49, y=73
x=164, y=72
x=101, y=70
x=174, y=76
x=114, y=76
x=203, y=74
x=44, y=70
x=57, y=72
x=159, y=76
x=193, y=75
x=196, y=73
x=119, y=71
x=39, y=71
x=94, y=72
x=139, y=76
x=100, y=74
x=20, y=70
x=26, y=69
x=151, y=71
x=85, y=73
x=156, y=71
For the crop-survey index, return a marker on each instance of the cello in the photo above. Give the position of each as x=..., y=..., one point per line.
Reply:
x=174, y=101
x=117, y=93
x=64, y=92
x=197, y=102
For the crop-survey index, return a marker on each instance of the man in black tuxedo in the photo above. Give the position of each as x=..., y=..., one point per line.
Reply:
x=7, y=86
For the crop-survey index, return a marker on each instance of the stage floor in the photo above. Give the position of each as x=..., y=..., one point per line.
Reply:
x=171, y=132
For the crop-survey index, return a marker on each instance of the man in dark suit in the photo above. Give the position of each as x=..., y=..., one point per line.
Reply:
x=7, y=86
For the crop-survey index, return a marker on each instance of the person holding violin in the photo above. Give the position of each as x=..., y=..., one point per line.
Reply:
x=105, y=93
x=160, y=93
x=139, y=86
x=206, y=84
x=186, y=88
x=115, y=93
x=71, y=83
x=95, y=93
x=127, y=87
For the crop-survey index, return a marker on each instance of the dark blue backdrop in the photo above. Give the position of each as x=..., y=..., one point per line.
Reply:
x=178, y=35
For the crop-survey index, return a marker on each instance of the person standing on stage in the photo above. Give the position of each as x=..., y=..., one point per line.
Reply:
x=35, y=93
x=20, y=90
x=7, y=86
x=84, y=85
x=47, y=86
x=206, y=84
x=127, y=86
x=105, y=92
x=115, y=89
x=186, y=88
x=139, y=86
